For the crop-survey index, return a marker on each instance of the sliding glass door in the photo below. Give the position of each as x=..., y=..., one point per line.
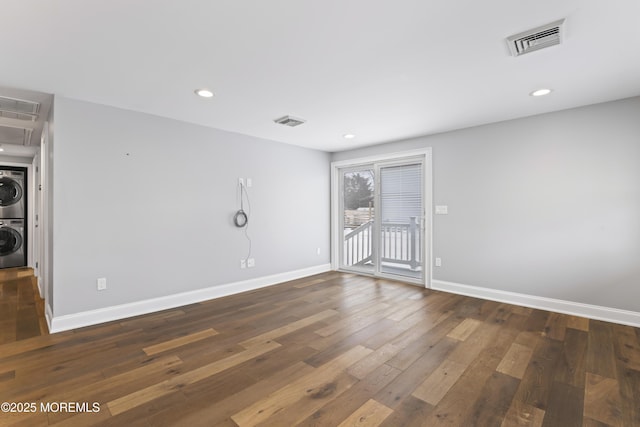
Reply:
x=381, y=211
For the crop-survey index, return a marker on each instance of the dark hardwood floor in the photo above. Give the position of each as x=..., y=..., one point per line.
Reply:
x=329, y=350
x=21, y=308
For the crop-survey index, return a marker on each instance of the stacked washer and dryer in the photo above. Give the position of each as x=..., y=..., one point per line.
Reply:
x=12, y=218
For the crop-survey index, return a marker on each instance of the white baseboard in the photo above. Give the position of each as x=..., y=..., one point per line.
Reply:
x=108, y=314
x=40, y=288
x=48, y=315
x=608, y=314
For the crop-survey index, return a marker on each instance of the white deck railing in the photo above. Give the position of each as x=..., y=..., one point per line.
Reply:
x=400, y=243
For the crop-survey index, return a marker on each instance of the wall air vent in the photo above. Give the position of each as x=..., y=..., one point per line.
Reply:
x=289, y=121
x=536, y=39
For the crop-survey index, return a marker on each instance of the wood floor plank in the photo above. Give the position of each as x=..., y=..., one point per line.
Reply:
x=516, y=360
x=522, y=415
x=571, y=367
x=410, y=413
x=602, y=400
x=627, y=346
x=112, y=387
x=579, y=323
x=535, y=386
x=433, y=389
x=556, y=326
x=315, y=384
x=179, y=342
x=200, y=411
x=495, y=397
x=373, y=361
x=411, y=377
x=354, y=322
x=600, y=354
x=371, y=414
x=629, y=383
x=287, y=329
x=565, y=406
x=147, y=394
x=464, y=329
x=316, y=398
x=337, y=410
x=457, y=405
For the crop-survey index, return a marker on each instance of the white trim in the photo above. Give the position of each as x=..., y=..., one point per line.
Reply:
x=48, y=315
x=608, y=314
x=39, y=285
x=381, y=157
x=108, y=314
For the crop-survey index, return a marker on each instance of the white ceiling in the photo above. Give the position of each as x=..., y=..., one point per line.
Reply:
x=383, y=70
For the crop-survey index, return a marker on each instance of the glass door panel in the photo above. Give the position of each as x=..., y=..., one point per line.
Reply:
x=358, y=216
x=400, y=220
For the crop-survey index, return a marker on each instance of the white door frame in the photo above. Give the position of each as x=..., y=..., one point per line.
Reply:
x=43, y=193
x=336, y=237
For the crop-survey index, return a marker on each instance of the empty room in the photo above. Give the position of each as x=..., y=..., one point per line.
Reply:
x=304, y=213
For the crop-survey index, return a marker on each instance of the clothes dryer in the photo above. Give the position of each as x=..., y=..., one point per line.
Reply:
x=12, y=194
x=12, y=242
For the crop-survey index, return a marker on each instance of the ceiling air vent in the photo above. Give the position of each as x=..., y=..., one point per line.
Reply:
x=15, y=135
x=289, y=121
x=18, y=116
x=536, y=39
x=18, y=105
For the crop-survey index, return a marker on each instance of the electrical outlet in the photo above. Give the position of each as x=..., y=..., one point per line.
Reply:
x=243, y=263
x=318, y=251
x=438, y=262
x=241, y=181
x=251, y=262
x=249, y=182
x=442, y=210
x=101, y=283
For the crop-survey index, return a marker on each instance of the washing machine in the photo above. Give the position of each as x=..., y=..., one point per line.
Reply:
x=12, y=194
x=12, y=243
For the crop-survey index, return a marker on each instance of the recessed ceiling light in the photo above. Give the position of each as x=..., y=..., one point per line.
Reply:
x=348, y=136
x=205, y=93
x=541, y=92
x=1, y=149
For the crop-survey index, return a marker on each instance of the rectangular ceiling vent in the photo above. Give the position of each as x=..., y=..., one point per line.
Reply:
x=289, y=121
x=18, y=105
x=15, y=136
x=18, y=116
x=536, y=39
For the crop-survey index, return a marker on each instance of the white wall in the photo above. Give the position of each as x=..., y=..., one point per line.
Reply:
x=147, y=202
x=547, y=205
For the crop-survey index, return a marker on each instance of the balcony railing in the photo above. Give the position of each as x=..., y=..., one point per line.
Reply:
x=358, y=245
x=400, y=244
